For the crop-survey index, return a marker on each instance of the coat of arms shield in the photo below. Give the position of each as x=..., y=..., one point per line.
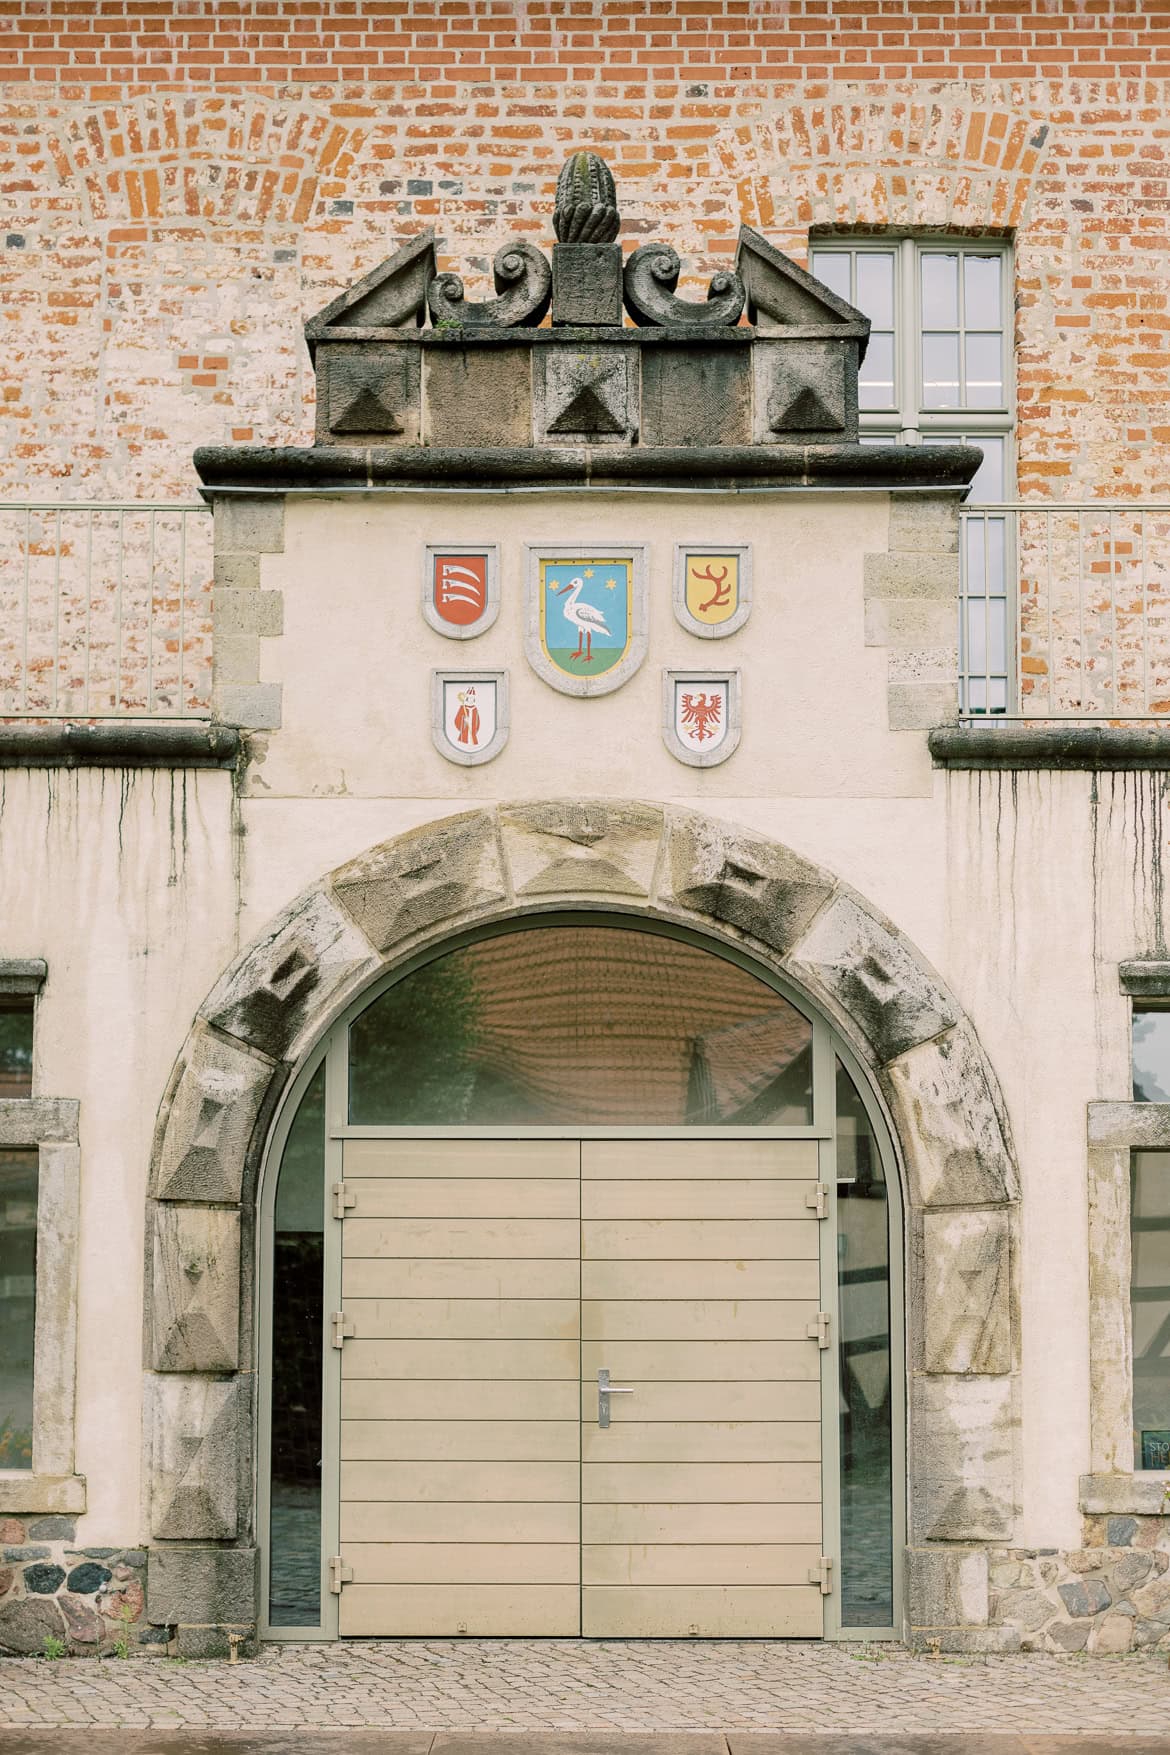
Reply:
x=712, y=588
x=461, y=592
x=586, y=623
x=700, y=715
x=469, y=714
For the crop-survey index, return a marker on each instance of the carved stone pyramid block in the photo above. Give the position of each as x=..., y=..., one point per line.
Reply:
x=368, y=394
x=586, y=396
x=802, y=392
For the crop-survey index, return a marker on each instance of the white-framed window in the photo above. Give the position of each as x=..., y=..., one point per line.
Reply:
x=938, y=371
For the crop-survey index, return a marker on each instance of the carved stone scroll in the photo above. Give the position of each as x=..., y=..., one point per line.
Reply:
x=651, y=276
x=523, y=281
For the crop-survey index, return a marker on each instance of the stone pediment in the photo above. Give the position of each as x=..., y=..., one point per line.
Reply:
x=782, y=296
x=391, y=296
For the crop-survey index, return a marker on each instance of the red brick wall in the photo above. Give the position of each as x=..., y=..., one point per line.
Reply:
x=184, y=182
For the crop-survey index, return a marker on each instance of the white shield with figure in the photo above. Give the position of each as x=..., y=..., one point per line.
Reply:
x=700, y=715
x=469, y=715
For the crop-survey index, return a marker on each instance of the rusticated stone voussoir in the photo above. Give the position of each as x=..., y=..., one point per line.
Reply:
x=207, y=1119
x=740, y=880
x=586, y=848
x=419, y=880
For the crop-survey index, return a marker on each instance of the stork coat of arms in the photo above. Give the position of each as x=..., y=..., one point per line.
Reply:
x=586, y=621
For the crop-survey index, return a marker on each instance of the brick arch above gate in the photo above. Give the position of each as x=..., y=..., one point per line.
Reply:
x=284, y=990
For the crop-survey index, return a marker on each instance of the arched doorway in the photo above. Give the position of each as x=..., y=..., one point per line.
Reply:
x=560, y=1151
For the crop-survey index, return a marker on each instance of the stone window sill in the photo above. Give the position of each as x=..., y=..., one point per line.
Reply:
x=22, y=1491
x=1140, y=1495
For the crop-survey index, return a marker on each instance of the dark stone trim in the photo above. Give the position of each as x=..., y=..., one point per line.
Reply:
x=1145, y=978
x=258, y=469
x=462, y=335
x=1139, y=745
x=135, y=743
x=22, y=976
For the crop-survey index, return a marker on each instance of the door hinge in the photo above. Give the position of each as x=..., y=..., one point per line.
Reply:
x=822, y=1575
x=342, y=1327
x=817, y=1330
x=344, y=1197
x=818, y=1199
x=339, y=1574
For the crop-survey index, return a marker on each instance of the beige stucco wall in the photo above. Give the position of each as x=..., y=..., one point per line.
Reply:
x=1024, y=892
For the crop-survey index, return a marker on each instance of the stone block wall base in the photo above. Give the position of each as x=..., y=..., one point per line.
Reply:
x=1098, y=1599
x=190, y=1641
x=962, y=1639
x=90, y=1600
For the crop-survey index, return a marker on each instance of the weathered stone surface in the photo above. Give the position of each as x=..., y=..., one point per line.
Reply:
x=582, y=849
x=12, y=1532
x=588, y=394
x=874, y=977
x=924, y=522
x=586, y=285
x=87, y=1578
x=249, y=706
x=1068, y=1635
x=1103, y=1494
x=957, y=1151
x=195, y=1449
x=1134, y=1126
x=369, y=393
x=963, y=1458
x=243, y=611
x=906, y=574
x=1085, y=1596
x=696, y=396
x=48, y=1529
x=478, y=396
x=32, y=1121
x=947, y=1587
x=195, y=1289
x=781, y=295
x=26, y=1623
x=391, y=296
x=801, y=391
x=586, y=203
x=920, y=706
x=967, y=1291
x=43, y=1580
x=1112, y=1635
x=413, y=883
x=249, y=524
x=753, y=885
x=289, y=975
x=1029, y=1610
x=52, y=1492
x=55, y=1351
x=82, y=1619
x=1120, y=1531
x=197, y=1643
x=207, y=1120
x=202, y=1585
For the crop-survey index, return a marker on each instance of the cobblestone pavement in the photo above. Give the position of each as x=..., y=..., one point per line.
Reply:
x=569, y=1684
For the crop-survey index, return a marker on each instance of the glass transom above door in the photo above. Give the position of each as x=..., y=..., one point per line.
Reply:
x=486, y=1284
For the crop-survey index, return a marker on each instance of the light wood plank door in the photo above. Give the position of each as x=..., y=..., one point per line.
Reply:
x=701, y=1501
x=460, y=1399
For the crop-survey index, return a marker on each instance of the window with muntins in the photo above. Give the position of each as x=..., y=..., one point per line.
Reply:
x=938, y=372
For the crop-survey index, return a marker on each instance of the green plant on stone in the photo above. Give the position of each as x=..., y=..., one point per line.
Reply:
x=52, y=1647
x=124, y=1643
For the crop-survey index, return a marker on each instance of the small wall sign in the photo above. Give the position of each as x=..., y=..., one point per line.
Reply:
x=701, y=715
x=461, y=589
x=712, y=588
x=585, y=630
x=469, y=714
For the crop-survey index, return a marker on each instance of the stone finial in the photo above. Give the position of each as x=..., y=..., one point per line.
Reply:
x=651, y=275
x=586, y=205
x=523, y=280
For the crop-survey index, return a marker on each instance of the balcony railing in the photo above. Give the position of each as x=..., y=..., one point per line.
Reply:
x=1065, y=611
x=105, y=610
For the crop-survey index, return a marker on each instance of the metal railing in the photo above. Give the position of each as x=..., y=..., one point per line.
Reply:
x=105, y=610
x=1065, y=611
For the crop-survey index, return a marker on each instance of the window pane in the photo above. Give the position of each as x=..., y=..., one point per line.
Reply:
x=940, y=291
x=580, y=1026
x=940, y=371
x=984, y=364
x=298, y=1292
x=1151, y=1055
x=988, y=482
x=16, y=1046
x=982, y=279
x=875, y=287
x=863, y=1290
x=875, y=387
x=18, y=1290
x=832, y=266
x=1150, y=1307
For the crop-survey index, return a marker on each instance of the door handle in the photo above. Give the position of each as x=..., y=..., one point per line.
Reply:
x=604, y=1390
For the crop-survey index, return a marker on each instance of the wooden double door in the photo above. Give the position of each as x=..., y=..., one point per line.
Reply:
x=486, y=1284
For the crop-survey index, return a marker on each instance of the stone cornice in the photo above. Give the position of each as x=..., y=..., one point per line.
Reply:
x=133, y=743
x=323, y=469
x=1138, y=745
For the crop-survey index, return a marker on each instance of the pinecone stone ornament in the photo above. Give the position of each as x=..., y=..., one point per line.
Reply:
x=586, y=205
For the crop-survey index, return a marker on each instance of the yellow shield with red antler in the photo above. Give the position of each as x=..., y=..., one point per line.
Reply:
x=712, y=587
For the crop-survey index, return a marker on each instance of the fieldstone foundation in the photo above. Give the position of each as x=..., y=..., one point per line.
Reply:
x=1111, y=1596
x=90, y=1599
